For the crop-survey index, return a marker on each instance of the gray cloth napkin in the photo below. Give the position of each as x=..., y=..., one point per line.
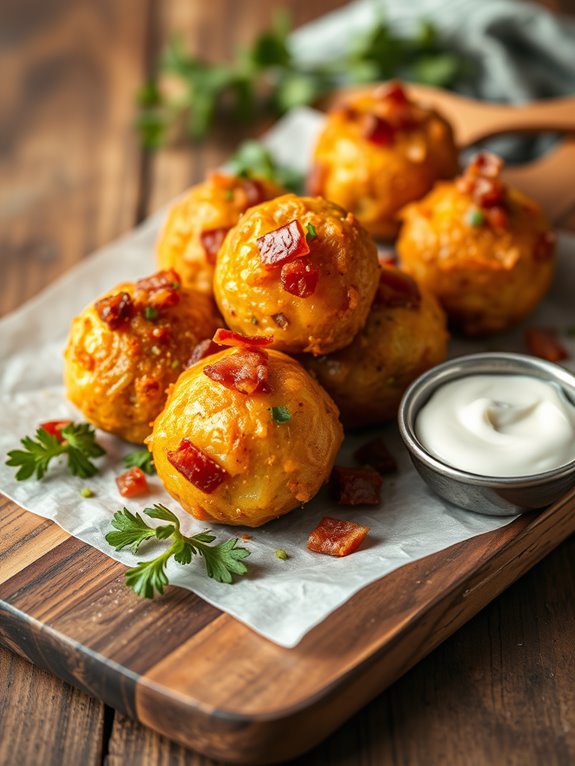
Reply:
x=520, y=51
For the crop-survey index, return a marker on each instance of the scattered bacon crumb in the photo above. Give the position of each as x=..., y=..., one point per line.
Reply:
x=482, y=182
x=228, y=338
x=299, y=277
x=197, y=467
x=246, y=537
x=54, y=428
x=282, y=245
x=375, y=454
x=397, y=290
x=132, y=482
x=245, y=371
x=377, y=130
x=545, y=246
x=115, y=310
x=544, y=343
x=202, y=350
x=355, y=486
x=159, y=291
x=336, y=537
x=212, y=240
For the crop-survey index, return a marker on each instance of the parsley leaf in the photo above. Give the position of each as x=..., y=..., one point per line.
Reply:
x=222, y=561
x=140, y=458
x=280, y=414
x=78, y=444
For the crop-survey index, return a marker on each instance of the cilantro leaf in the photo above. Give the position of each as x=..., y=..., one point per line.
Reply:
x=142, y=459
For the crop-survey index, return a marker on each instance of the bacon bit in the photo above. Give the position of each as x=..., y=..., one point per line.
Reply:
x=203, y=349
x=197, y=467
x=336, y=537
x=246, y=537
x=255, y=191
x=115, y=310
x=132, y=482
x=54, y=428
x=316, y=179
x=149, y=387
x=377, y=130
x=486, y=164
x=386, y=258
x=393, y=91
x=245, y=371
x=545, y=246
x=375, y=454
x=160, y=290
x=212, y=240
x=497, y=217
x=544, y=343
x=482, y=182
x=397, y=290
x=229, y=338
x=355, y=486
x=161, y=334
x=280, y=319
x=299, y=277
x=283, y=245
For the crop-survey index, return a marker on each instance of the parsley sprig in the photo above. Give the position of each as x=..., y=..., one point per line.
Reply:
x=142, y=459
x=267, y=77
x=78, y=444
x=222, y=561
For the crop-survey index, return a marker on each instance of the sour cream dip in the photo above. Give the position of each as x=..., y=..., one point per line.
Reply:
x=499, y=425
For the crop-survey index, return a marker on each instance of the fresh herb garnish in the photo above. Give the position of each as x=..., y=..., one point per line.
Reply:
x=148, y=577
x=140, y=458
x=310, y=232
x=253, y=159
x=475, y=217
x=266, y=77
x=78, y=444
x=280, y=414
x=281, y=554
x=87, y=492
x=150, y=312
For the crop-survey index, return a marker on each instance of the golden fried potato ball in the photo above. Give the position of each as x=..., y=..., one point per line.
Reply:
x=125, y=349
x=485, y=250
x=379, y=151
x=300, y=269
x=246, y=436
x=197, y=224
x=405, y=334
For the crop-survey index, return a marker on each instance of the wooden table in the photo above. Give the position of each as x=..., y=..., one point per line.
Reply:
x=502, y=690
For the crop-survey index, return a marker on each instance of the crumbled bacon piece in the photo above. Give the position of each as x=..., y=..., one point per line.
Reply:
x=377, y=130
x=545, y=246
x=355, y=486
x=197, y=467
x=132, y=482
x=375, y=454
x=282, y=245
x=394, y=92
x=397, y=289
x=336, y=537
x=115, y=310
x=544, y=343
x=161, y=335
x=245, y=371
x=255, y=191
x=228, y=338
x=159, y=291
x=482, y=181
x=497, y=217
x=54, y=428
x=299, y=277
x=212, y=240
x=203, y=349
x=280, y=319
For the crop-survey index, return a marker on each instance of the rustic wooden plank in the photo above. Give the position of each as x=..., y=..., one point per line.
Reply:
x=69, y=159
x=45, y=721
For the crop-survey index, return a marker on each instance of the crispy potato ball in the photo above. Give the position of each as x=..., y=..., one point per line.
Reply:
x=378, y=152
x=405, y=334
x=197, y=224
x=246, y=436
x=300, y=269
x=485, y=250
x=125, y=349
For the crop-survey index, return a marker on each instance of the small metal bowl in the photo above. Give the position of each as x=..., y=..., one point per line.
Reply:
x=491, y=495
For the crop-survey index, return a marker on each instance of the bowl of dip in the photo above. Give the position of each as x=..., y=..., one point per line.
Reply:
x=493, y=433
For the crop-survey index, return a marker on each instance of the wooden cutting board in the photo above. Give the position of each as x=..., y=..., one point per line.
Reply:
x=193, y=673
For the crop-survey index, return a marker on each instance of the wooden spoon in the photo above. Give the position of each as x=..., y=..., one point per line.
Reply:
x=474, y=121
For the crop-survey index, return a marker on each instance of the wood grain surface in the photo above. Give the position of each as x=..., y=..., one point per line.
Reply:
x=500, y=691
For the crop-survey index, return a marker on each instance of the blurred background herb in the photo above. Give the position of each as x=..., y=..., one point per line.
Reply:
x=188, y=92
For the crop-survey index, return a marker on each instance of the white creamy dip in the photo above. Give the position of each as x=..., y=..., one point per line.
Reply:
x=499, y=425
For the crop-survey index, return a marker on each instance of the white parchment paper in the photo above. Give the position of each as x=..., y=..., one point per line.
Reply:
x=281, y=600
